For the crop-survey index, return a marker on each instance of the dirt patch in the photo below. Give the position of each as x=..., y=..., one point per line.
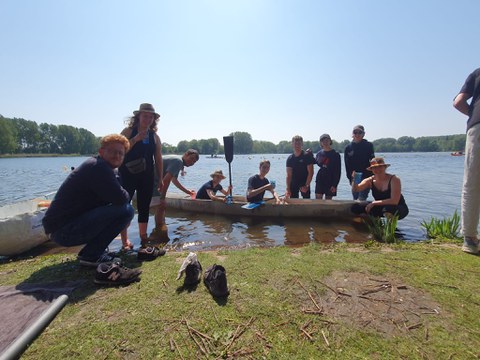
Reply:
x=383, y=304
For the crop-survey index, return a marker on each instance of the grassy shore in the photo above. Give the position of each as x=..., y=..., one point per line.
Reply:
x=407, y=301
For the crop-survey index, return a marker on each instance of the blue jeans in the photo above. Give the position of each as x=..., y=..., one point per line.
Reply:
x=362, y=195
x=95, y=228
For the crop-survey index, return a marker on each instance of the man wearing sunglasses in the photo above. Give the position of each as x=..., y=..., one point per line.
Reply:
x=357, y=158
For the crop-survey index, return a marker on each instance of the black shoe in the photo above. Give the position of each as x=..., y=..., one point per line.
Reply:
x=149, y=253
x=215, y=280
x=193, y=274
x=115, y=274
x=104, y=258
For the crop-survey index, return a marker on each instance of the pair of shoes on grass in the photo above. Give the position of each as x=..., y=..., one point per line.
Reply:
x=149, y=253
x=114, y=274
x=215, y=277
x=471, y=245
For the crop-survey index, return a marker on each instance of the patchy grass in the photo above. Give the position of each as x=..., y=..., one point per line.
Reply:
x=417, y=301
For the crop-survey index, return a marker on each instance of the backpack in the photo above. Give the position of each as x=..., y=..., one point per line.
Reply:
x=215, y=280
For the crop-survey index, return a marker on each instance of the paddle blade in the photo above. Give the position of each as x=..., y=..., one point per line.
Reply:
x=228, y=148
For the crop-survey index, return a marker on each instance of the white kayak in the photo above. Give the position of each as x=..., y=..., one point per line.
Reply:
x=21, y=226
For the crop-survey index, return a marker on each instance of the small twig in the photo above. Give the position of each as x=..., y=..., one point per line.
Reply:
x=414, y=326
x=314, y=312
x=310, y=295
x=164, y=283
x=176, y=346
x=306, y=334
x=325, y=338
x=239, y=333
x=329, y=287
x=172, y=345
x=443, y=285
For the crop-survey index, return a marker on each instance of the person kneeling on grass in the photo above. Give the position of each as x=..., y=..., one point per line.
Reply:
x=386, y=190
x=91, y=208
x=258, y=184
x=209, y=190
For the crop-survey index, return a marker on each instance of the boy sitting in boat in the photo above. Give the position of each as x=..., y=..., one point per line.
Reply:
x=258, y=184
x=209, y=190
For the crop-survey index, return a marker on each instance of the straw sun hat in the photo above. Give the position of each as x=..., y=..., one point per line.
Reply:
x=217, y=173
x=145, y=107
x=376, y=162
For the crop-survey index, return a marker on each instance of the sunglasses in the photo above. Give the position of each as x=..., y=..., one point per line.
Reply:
x=358, y=132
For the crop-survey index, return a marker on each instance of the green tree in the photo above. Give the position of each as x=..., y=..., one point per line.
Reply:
x=405, y=143
x=7, y=137
x=242, y=142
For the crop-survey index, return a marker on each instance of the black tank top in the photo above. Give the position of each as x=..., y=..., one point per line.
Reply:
x=387, y=194
x=142, y=150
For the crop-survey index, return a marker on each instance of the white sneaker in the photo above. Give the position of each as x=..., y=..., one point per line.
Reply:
x=471, y=245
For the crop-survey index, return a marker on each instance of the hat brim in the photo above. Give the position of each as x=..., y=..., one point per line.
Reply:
x=222, y=176
x=136, y=112
x=378, y=165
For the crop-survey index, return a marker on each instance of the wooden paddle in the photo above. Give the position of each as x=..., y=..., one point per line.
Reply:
x=228, y=148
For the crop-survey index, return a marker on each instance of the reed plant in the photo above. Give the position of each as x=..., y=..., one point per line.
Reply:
x=442, y=228
x=383, y=229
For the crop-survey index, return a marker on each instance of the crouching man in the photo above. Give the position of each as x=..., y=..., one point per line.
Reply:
x=91, y=208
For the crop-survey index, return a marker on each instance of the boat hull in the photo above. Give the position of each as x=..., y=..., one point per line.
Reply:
x=293, y=208
x=21, y=226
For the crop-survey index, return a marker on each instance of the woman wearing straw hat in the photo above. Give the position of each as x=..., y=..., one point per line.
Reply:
x=137, y=168
x=386, y=190
x=209, y=190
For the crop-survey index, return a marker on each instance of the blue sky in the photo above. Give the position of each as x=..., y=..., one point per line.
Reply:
x=273, y=68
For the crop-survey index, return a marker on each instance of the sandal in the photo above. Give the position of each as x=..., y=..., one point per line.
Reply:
x=149, y=253
x=127, y=247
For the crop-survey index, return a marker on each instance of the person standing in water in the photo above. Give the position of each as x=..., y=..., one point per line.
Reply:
x=137, y=170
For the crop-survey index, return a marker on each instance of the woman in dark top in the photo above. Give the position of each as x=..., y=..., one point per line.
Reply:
x=137, y=168
x=386, y=190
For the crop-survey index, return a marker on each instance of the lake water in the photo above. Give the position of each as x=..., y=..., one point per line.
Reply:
x=431, y=184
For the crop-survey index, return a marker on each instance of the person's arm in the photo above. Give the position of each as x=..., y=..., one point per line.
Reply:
x=127, y=132
x=212, y=196
x=227, y=191
x=254, y=192
x=159, y=162
x=310, y=175
x=106, y=185
x=177, y=183
x=460, y=103
x=289, y=181
x=348, y=167
x=364, y=184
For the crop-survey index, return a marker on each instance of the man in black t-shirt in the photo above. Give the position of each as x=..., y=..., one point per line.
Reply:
x=299, y=170
x=258, y=184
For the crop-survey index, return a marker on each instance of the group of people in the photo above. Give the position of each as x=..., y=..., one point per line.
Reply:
x=364, y=172
x=93, y=205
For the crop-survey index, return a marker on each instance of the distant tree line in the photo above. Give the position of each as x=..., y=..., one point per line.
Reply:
x=20, y=136
x=244, y=144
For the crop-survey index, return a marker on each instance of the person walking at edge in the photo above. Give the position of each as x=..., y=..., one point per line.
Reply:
x=471, y=179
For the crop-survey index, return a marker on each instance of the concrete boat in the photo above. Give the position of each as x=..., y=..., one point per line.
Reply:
x=291, y=208
x=21, y=226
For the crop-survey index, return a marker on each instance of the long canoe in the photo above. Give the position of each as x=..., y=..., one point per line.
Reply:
x=292, y=208
x=21, y=226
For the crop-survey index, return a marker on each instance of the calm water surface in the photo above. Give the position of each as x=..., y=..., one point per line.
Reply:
x=431, y=184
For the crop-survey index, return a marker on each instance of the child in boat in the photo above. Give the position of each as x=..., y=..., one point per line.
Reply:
x=258, y=184
x=209, y=190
